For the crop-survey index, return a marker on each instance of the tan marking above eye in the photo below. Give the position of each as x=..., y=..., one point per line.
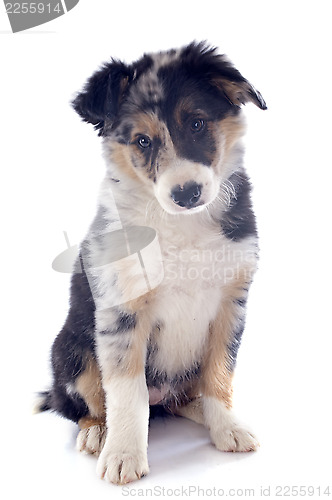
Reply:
x=146, y=124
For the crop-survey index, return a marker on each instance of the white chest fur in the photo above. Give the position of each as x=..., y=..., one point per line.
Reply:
x=198, y=263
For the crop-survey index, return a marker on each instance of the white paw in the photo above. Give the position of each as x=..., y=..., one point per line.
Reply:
x=234, y=438
x=122, y=468
x=92, y=439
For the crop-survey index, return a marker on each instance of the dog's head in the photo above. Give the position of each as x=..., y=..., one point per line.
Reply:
x=171, y=119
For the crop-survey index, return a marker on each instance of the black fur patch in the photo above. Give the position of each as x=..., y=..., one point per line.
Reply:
x=233, y=348
x=159, y=411
x=239, y=220
x=241, y=302
x=124, y=323
x=101, y=97
x=189, y=95
x=157, y=379
x=150, y=157
x=70, y=350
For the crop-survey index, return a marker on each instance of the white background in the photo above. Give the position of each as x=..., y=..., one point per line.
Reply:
x=50, y=172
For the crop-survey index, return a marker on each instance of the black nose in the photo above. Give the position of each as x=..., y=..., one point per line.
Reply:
x=186, y=196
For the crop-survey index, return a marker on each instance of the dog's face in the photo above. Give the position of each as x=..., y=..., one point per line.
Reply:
x=170, y=119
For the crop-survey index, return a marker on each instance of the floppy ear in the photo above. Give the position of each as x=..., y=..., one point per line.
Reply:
x=223, y=75
x=100, y=99
x=240, y=91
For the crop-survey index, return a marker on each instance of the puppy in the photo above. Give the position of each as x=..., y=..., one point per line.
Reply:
x=175, y=213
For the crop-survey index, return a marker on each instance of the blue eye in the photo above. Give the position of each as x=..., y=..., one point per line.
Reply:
x=144, y=141
x=197, y=125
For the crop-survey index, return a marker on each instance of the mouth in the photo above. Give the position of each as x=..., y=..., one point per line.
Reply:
x=174, y=208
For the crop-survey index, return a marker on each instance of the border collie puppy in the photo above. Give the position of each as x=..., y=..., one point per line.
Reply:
x=175, y=213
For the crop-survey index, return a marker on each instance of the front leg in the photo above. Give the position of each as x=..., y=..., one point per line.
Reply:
x=121, y=347
x=226, y=432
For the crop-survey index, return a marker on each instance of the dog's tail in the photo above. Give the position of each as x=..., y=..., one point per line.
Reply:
x=42, y=402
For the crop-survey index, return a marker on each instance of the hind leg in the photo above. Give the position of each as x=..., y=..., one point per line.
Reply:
x=193, y=410
x=91, y=438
